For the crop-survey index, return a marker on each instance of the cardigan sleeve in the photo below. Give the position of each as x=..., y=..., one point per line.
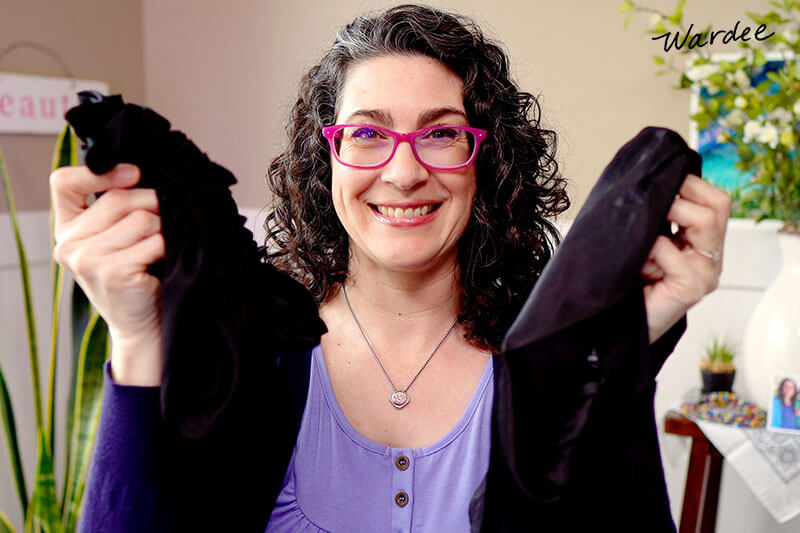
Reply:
x=123, y=491
x=665, y=345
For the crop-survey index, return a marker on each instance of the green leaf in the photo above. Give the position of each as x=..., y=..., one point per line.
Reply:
x=12, y=446
x=702, y=118
x=626, y=6
x=758, y=58
x=65, y=154
x=81, y=311
x=758, y=19
x=5, y=524
x=658, y=60
x=677, y=17
x=763, y=86
x=50, y=434
x=30, y=322
x=714, y=106
x=718, y=79
x=45, y=504
x=66, y=151
x=627, y=21
x=89, y=394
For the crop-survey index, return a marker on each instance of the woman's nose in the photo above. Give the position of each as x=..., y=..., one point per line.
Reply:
x=403, y=170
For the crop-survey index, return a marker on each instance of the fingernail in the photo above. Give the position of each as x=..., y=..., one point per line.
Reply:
x=126, y=171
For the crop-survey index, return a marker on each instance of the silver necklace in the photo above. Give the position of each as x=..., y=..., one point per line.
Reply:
x=399, y=397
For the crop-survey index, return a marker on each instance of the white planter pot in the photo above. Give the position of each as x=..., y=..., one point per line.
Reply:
x=772, y=339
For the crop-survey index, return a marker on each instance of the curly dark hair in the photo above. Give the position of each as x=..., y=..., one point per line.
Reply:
x=779, y=391
x=508, y=238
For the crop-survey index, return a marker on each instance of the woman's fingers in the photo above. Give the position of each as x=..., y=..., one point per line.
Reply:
x=679, y=276
x=71, y=186
x=670, y=291
x=702, y=211
x=84, y=255
x=124, y=269
x=685, y=276
x=110, y=208
x=697, y=190
x=701, y=227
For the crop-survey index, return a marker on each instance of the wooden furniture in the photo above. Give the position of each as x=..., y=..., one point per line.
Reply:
x=700, y=498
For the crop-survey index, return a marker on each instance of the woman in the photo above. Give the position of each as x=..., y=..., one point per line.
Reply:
x=412, y=202
x=784, y=413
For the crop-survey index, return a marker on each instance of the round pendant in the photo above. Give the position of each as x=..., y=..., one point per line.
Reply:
x=399, y=399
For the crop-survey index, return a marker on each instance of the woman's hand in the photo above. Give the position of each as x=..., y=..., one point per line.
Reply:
x=680, y=276
x=107, y=247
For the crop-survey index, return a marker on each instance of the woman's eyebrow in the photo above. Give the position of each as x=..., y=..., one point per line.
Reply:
x=385, y=119
x=377, y=115
x=434, y=114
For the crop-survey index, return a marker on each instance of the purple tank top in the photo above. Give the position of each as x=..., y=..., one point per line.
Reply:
x=340, y=481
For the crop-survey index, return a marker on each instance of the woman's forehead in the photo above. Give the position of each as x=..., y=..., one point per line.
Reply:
x=400, y=87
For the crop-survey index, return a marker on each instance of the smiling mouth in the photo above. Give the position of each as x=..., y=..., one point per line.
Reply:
x=408, y=212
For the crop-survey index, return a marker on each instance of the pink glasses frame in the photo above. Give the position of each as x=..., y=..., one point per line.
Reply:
x=329, y=132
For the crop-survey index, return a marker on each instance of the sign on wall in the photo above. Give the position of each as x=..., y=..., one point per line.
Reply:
x=36, y=104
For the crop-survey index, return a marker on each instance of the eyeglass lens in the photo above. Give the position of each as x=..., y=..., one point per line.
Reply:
x=441, y=147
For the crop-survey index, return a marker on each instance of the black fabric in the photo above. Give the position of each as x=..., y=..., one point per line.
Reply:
x=574, y=442
x=226, y=317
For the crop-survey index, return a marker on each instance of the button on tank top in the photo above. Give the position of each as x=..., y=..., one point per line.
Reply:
x=340, y=481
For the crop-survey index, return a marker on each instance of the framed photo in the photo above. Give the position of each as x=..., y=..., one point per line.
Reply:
x=719, y=157
x=784, y=407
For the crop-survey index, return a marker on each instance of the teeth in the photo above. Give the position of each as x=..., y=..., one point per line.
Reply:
x=399, y=212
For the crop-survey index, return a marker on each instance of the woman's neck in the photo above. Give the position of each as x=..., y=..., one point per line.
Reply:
x=404, y=312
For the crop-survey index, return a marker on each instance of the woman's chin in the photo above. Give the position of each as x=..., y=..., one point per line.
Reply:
x=409, y=261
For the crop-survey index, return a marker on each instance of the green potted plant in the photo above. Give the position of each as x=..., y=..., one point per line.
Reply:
x=716, y=366
x=43, y=509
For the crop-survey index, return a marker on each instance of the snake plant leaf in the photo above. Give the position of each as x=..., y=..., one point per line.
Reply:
x=81, y=311
x=30, y=322
x=86, y=412
x=50, y=434
x=65, y=154
x=5, y=524
x=10, y=432
x=45, y=504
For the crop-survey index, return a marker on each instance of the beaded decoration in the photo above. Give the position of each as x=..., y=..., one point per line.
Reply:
x=725, y=408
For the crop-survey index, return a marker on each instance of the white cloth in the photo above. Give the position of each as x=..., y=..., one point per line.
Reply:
x=769, y=463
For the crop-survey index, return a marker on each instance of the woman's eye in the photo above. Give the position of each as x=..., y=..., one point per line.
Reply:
x=443, y=133
x=366, y=134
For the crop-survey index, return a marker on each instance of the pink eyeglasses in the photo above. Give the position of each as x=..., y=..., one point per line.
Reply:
x=437, y=147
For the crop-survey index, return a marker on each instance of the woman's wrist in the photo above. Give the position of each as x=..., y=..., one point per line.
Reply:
x=136, y=359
